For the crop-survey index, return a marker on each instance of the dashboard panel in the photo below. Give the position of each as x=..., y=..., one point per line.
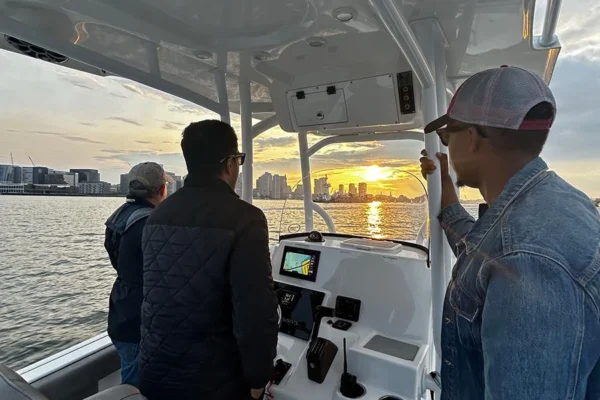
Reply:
x=298, y=309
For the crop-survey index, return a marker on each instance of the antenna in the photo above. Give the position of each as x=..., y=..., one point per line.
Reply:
x=345, y=360
x=32, y=163
x=11, y=159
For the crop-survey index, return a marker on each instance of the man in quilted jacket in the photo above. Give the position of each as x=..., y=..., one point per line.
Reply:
x=209, y=314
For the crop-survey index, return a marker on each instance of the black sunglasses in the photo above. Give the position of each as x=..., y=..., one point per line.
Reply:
x=444, y=133
x=240, y=157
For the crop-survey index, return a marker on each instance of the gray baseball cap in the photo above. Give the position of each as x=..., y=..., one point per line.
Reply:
x=151, y=175
x=499, y=98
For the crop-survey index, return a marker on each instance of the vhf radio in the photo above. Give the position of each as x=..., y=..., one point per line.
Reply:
x=349, y=387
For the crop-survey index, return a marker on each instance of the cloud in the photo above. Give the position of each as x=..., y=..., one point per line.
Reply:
x=283, y=141
x=578, y=30
x=62, y=135
x=355, y=154
x=39, y=132
x=177, y=123
x=169, y=126
x=142, y=142
x=80, y=80
x=80, y=84
x=88, y=123
x=573, y=135
x=171, y=161
x=82, y=139
x=126, y=120
x=120, y=96
x=186, y=108
x=147, y=92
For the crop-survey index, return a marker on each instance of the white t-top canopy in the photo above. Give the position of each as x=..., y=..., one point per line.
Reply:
x=199, y=49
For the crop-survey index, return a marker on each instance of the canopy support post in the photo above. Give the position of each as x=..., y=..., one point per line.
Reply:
x=247, y=133
x=305, y=169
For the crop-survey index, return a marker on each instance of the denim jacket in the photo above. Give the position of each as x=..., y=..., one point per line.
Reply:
x=521, y=316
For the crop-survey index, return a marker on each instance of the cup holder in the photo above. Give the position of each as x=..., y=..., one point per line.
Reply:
x=390, y=398
x=360, y=392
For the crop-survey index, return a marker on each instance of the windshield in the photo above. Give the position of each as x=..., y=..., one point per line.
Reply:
x=378, y=216
x=367, y=189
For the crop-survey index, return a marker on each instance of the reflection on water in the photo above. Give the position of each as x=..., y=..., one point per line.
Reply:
x=381, y=220
x=374, y=220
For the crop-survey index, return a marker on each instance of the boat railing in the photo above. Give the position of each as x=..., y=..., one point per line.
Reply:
x=548, y=37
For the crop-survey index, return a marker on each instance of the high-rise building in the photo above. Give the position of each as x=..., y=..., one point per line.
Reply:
x=61, y=178
x=87, y=175
x=11, y=173
x=352, y=189
x=299, y=192
x=279, y=187
x=362, y=189
x=28, y=175
x=264, y=185
x=321, y=186
x=94, y=187
x=124, y=184
x=6, y=173
x=276, y=188
x=318, y=188
x=172, y=186
x=72, y=178
x=341, y=189
x=38, y=176
x=17, y=174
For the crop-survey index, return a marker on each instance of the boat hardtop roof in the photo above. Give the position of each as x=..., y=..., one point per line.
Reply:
x=200, y=49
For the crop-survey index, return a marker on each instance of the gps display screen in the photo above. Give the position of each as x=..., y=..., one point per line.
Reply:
x=300, y=263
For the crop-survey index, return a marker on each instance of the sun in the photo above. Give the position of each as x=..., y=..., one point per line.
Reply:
x=375, y=173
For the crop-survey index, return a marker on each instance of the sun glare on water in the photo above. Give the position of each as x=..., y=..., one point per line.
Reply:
x=375, y=173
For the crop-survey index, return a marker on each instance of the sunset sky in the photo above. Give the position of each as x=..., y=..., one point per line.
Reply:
x=65, y=119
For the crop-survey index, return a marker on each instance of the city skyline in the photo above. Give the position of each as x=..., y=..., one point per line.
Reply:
x=109, y=123
x=47, y=180
x=267, y=186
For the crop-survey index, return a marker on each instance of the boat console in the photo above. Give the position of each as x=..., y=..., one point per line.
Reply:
x=355, y=318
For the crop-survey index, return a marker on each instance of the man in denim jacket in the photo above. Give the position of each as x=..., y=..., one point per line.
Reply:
x=521, y=317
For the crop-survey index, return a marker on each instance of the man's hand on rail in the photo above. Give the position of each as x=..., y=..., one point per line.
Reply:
x=449, y=195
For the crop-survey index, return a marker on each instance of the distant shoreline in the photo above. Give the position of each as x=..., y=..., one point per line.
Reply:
x=316, y=201
x=366, y=202
x=65, y=194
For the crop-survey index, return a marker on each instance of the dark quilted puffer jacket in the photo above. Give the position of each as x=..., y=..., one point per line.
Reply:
x=209, y=314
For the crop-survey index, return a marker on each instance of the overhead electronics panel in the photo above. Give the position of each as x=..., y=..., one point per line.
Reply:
x=377, y=104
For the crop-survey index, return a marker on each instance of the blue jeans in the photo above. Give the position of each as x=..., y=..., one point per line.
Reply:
x=129, y=353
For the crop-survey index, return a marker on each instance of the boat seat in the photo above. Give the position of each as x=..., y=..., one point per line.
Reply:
x=118, y=393
x=14, y=387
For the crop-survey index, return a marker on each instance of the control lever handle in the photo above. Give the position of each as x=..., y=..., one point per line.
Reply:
x=322, y=311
